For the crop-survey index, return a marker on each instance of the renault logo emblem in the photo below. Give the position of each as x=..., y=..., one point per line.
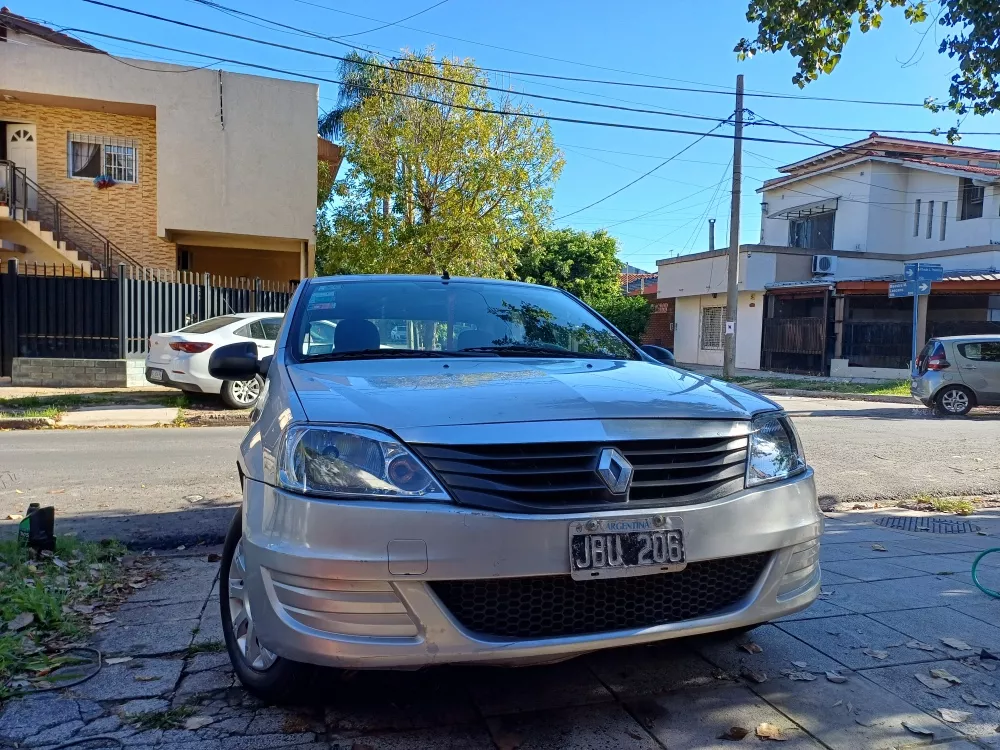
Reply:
x=614, y=470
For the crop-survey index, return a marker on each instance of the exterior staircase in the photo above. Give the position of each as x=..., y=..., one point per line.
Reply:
x=50, y=232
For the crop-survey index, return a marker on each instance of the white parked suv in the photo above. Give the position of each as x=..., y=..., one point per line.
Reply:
x=519, y=485
x=179, y=359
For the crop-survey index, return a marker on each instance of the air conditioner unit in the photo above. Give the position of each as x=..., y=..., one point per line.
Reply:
x=824, y=264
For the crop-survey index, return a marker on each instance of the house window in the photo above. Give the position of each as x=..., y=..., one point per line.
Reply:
x=812, y=232
x=91, y=156
x=944, y=219
x=930, y=219
x=916, y=218
x=185, y=260
x=971, y=199
x=713, y=321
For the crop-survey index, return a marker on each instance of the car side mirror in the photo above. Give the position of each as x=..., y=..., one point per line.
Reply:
x=661, y=355
x=234, y=361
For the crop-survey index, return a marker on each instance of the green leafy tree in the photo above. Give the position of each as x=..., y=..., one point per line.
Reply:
x=324, y=226
x=431, y=186
x=816, y=32
x=629, y=313
x=584, y=264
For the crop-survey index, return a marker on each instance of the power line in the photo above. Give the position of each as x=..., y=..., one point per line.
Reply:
x=395, y=23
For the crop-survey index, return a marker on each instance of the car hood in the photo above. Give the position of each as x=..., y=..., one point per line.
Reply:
x=408, y=393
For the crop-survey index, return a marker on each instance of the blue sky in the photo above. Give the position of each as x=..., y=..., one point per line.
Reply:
x=641, y=41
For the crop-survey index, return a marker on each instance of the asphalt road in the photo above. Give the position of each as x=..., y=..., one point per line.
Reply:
x=166, y=487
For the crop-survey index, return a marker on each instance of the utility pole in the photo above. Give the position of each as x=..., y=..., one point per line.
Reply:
x=711, y=235
x=732, y=290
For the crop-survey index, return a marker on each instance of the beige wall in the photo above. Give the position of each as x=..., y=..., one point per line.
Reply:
x=125, y=213
x=249, y=169
x=272, y=265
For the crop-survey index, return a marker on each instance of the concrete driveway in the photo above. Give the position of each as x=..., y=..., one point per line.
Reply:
x=859, y=669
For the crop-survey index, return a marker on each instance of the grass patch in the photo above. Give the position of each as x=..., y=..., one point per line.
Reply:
x=54, y=590
x=171, y=719
x=881, y=388
x=958, y=507
x=208, y=647
x=40, y=411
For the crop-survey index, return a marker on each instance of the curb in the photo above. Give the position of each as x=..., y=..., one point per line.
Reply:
x=216, y=420
x=840, y=396
x=26, y=423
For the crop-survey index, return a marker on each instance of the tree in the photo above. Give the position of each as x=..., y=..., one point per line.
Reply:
x=584, y=264
x=324, y=226
x=628, y=313
x=431, y=185
x=816, y=32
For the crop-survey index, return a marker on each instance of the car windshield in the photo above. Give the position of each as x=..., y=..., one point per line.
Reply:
x=424, y=317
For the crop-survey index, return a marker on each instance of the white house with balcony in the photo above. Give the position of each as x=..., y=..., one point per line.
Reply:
x=836, y=228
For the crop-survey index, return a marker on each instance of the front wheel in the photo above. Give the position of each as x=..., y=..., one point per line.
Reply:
x=241, y=394
x=265, y=674
x=954, y=401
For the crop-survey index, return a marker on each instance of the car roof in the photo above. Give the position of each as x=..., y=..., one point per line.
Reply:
x=974, y=337
x=414, y=277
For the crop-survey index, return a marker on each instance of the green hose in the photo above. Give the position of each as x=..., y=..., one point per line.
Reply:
x=975, y=577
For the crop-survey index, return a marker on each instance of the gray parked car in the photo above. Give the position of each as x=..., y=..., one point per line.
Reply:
x=522, y=485
x=955, y=373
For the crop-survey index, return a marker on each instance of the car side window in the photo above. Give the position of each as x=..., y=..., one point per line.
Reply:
x=243, y=331
x=990, y=351
x=257, y=330
x=271, y=328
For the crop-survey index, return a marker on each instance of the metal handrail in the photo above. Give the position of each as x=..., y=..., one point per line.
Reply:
x=113, y=255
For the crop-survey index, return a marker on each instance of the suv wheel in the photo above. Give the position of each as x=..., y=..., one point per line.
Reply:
x=262, y=672
x=241, y=394
x=954, y=400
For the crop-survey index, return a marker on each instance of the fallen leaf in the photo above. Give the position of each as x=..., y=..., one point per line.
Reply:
x=197, y=722
x=932, y=682
x=866, y=722
x=751, y=648
x=917, y=729
x=181, y=548
x=972, y=700
x=18, y=492
x=14, y=517
x=83, y=609
x=944, y=674
x=838, y=703
x=146, y=677
x=952, y=716
x=801, y=676
x=875, y=654
x=770, y=732
x=985, y=655
x=921, y=645
x=800, y=664
x=850, y=708
x=734, y=734
x=758, y=677
x=59, y=563
x=117, y=660
x=20, y=622
x=102, y=619
x=956, y=644
x=836, y=677
x=879, y=548
x=56, y=492
x=137, y=585
x=214, y=557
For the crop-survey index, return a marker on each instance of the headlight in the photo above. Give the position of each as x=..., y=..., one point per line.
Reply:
x=352, y=461
x=775, y=450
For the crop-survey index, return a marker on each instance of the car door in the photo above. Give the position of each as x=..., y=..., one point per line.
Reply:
x=979, y=364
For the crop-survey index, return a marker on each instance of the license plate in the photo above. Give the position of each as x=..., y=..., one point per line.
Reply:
x=615, y=548
x=156, y=374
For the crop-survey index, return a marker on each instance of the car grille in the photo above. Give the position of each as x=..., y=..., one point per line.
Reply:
x=543, y=477
x=550, y=606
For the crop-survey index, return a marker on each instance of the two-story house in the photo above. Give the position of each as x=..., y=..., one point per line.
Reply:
x=105, y=160
x=836, y=229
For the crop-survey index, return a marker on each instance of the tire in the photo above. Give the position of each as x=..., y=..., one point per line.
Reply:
x=241, y=394
x=270, y=677
x=954, y=401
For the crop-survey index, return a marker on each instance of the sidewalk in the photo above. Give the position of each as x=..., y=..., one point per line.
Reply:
x=859, y=669
x=716, y=372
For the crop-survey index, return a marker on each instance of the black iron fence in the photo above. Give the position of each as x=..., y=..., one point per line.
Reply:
x=63, y=312
x=877, y=344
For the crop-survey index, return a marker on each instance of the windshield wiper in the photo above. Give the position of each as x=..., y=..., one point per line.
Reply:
x=551, y=351
x=380, y=354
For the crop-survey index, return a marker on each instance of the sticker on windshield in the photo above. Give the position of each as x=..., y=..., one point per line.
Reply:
x=322, y=305
x=323, y=299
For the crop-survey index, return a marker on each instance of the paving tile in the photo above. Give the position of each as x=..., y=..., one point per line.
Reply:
x=869, y=570
x=56, y=734
x=875, y=721
x=818, y=609
x=472, y=737
x=697, y=718
x=642, y=670
x=984, y=720
x=370, y=702
x=851, y=551
x=604, y=727
x=982, y=608
x=19, y=719
x=933, y=624
x=154, y=639
x=262, y=741
x=935, y=564
x=152, y=613
x=140, y=678
x=208, y=681
x=846, y=638
x=831, y=578
x=913, y=593
x=778, y=651
x=858, y=534
x=209, y=626
x=933, y=544
x=503, y=691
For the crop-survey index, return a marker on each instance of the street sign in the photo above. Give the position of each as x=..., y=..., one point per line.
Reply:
x=901, y=289
x=923, y=287
x=923, y=272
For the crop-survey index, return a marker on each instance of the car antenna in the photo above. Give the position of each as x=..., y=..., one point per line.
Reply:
x=445, y=276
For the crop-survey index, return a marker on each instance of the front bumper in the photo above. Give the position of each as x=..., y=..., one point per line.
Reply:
x=345, y=584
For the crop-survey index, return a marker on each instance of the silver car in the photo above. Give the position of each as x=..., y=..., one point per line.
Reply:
x=522, y=485
x=955, y=373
